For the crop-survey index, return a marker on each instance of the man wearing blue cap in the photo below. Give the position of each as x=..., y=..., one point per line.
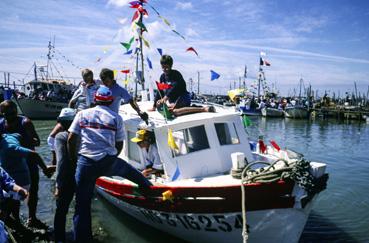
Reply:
x=102, y=135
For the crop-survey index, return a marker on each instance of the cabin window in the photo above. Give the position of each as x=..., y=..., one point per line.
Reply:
x=133, y=149
x=227, y=133
x=190, y=140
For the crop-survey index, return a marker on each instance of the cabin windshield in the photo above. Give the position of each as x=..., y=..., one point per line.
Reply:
x=227, y=133
x=190, y=140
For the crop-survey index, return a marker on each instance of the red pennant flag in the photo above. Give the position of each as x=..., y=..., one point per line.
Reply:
x=192, y=49
x=136, y=5
x=262, y=146
x=275, y=145
x=135, y=16
x=163, y=86
x=125, y=71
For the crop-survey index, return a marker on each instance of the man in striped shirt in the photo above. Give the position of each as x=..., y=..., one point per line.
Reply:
x=102, y=135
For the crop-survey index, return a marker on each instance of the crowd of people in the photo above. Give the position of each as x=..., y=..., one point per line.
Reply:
x=85, y=144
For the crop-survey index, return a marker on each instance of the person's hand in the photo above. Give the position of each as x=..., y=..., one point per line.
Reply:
x=144, y=116
x=23, y=193
x=49, y=171
x=147, y=172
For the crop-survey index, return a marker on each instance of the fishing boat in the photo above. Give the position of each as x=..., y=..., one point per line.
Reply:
x=298, y=112
x=216, y=186
x=272, y=112
x=45, y=96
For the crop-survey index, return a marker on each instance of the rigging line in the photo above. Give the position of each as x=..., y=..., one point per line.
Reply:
x=52, y=63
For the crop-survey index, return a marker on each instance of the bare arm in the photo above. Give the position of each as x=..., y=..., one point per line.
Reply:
x=31, y=132
x=72, y=147
x=135, y=106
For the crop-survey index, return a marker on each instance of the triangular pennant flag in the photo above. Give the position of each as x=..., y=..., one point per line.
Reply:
x=163, y=86
x=141, y=25
x=131, y=40
x=171, y=143
x=176, y=174
x=165, y=20
x=275, y=145
x=264, y=62
x=214, y=75
x=115, y=73
x=135, y=16
x=192, y=49
x=125, y=82
x=126, y=71
x=137, y=50
x=143, y=11
x=134, y=2
x=156, y=11
x=246, y=121
x=137, y=5
x=164, y=111
x=262, y=147
x=149, y=62
x=126, y=45
x=146, y=43
x=128, y=52
x=179, y=34
x=160, y=51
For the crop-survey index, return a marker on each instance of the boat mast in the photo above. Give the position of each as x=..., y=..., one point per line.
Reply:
x=35, y=71
x=141, y=30
x=48, y=60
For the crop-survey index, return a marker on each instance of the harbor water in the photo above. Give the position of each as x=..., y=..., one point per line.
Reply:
x=341, y=213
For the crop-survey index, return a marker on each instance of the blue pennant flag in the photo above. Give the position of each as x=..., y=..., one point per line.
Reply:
x=214, y=75
x=160, y=51
x=128, y=52
x=149, y=62
x=137, y=50
x=176, y=174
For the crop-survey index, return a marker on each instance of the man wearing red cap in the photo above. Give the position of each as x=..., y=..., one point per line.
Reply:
x=102, y=135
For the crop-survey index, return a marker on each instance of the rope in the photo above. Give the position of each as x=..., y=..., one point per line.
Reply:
x=298, y=171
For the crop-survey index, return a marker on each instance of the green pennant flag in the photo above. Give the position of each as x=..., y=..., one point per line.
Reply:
x=131, y=40
x=165, y=112
x=126, y=45
x=142, y=26
x=246, y=121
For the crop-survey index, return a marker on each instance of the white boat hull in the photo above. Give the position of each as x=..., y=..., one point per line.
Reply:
x=272, y=225
x=296, y=112
x=40, y=109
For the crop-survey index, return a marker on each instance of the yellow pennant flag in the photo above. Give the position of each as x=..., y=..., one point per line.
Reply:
x=125, y=82
x=115, y=73
x=146, y=43
x=171, y=142
x=166, y=21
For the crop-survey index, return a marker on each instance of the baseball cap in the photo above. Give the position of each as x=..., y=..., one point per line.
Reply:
x=104, y=94
x=140, y=136
x=67, y=114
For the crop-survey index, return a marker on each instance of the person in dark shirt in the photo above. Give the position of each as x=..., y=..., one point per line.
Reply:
x=177, y=94
x=11, y=122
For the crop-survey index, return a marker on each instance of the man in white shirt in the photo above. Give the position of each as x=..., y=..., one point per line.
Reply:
x=145, y=140
x=102, y=135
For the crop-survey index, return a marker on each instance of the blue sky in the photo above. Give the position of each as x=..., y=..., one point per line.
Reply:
x=323, y=42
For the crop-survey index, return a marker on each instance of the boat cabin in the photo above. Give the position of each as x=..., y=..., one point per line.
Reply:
x=205, y=141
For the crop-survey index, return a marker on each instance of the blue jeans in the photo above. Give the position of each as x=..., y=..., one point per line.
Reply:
x=87, y=172
x=65, y=197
